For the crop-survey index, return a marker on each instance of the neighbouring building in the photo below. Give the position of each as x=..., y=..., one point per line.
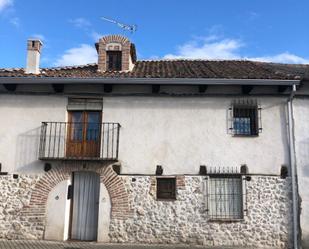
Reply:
x=169, y=151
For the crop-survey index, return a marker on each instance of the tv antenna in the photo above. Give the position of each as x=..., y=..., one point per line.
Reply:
x=126, y=27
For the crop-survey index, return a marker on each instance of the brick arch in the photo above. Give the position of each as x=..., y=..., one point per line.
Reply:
x=115, y=38
x=36, y=210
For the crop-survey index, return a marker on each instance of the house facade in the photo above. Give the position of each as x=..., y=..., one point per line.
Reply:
x=128, y=151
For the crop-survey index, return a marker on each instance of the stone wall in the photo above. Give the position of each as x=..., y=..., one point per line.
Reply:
x=267, y=223
x=15, y=196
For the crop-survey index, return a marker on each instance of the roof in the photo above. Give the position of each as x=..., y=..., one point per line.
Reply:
x=193, y=69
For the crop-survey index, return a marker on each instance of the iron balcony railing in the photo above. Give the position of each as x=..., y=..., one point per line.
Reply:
x=79, y=141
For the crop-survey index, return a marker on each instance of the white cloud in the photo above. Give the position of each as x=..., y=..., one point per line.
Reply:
x=15, y=21
x=78, y=56
x=5, y=3
x=80, y=22
x=253, y=15
x=86, y=26
x=211, y=47
x=285, y=57
x=8, y=12
x=96, y=36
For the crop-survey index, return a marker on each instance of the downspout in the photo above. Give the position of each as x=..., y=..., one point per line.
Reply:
x=293, y=167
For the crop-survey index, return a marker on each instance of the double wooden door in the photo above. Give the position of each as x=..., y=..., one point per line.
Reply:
x=84, y=134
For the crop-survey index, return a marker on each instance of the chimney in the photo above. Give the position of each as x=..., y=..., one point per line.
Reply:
x=115, y=53
x=34, y=47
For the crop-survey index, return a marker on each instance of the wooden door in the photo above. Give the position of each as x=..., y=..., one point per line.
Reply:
x=85, y=207
x=74, y=145
x=92, y=134
x=84, y=134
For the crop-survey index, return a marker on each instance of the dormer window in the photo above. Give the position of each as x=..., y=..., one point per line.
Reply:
x=115, y=53
x=113, y=60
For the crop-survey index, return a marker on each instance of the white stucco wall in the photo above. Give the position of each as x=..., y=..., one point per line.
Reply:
x=104, y=215
x=179, y=133
x=301, y=120
x=21, y=117
x=182, y=133
x=58, y=211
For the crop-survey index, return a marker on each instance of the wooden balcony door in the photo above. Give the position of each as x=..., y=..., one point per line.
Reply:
x=84, y=134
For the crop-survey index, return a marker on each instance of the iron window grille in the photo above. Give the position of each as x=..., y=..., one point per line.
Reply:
x=225, y=195
x=245, y=118
x=166, y=188
x=114, y=60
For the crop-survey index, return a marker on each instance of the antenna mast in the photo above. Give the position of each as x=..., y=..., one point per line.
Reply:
x=126, y=27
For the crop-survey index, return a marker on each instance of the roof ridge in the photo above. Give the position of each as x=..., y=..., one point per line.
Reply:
x=184, y=59
x=281, y=63
x=220, y=60
x=11, y=69
x=158, y=60
x=70, y=67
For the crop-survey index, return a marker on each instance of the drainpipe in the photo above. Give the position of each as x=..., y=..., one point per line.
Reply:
x=293, y=167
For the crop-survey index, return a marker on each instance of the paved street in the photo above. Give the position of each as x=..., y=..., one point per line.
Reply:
x=5, y=244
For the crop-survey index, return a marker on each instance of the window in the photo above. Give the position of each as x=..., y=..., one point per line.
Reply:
x=166, y=188
x=113, y=60
x=245, y=118
x=225, y=198
x=84, y=134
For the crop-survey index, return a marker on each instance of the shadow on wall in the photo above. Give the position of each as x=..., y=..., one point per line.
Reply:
x=304, y=155
x=305, y=241
x=284, y=134
x=27, y=152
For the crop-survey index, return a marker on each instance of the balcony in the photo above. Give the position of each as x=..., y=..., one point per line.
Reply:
x=79, y=141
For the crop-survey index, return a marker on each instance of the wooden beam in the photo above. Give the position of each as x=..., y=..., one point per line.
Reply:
x=155, y=88
x=58, y=88
x=202, y=88
x=108, y=88
x=10, y=87
x=246, y=89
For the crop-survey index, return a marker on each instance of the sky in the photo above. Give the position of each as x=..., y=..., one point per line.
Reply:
x=263, y=30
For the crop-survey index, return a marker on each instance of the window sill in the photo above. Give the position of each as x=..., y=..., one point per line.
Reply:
x=225, y=220
x=244, y=135
x=169, y=200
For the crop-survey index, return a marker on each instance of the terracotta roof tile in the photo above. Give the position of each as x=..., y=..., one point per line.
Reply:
x=225, y=69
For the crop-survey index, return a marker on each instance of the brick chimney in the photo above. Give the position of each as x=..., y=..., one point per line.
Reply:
x=34, y=47
x=115, y=53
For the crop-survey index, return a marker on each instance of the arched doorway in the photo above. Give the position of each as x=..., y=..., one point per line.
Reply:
x=85, y=206
x=51, y=201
